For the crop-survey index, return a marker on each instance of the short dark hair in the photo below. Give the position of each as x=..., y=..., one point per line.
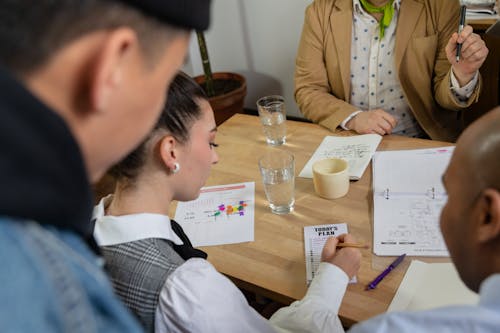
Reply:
x=178, y=116
x=32, y=31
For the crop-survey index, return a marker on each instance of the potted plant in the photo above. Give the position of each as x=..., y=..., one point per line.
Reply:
x=226, y=91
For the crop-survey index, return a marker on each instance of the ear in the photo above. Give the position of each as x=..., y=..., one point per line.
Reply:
x=110, y=65
x=169, y=152
x=489, y=215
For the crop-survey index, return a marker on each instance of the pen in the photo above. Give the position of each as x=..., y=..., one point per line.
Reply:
x=460, y=28
x=382, y=275
x=358, y=245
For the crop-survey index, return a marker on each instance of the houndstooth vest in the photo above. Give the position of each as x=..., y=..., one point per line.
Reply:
x=138, y=271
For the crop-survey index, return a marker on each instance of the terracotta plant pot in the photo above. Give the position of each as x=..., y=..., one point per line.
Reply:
x=226, y=102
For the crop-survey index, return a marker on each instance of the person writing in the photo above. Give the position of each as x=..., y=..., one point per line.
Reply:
x=470, y=224
x=387, y=67
x=82, y=83
x=168, y=284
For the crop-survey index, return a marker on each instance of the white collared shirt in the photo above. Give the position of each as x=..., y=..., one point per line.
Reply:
x=197, y=298
x=374, y=79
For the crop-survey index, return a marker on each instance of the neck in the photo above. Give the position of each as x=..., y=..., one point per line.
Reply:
x=138, y=198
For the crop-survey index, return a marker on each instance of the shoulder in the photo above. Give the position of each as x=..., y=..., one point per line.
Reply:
x=25, y=284
x=445, y=319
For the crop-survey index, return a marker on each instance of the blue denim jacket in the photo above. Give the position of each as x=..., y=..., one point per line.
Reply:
x=51, y=282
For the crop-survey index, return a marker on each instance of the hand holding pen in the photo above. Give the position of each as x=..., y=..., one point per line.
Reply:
x=465, y=51
x=347, y=258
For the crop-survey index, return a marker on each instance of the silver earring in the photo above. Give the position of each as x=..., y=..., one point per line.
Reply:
x=176, y=168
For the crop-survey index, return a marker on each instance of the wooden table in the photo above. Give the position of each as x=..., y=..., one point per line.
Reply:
x=274, y=264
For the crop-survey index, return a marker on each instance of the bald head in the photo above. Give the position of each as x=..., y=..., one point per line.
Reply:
x=472, y=210
x=479, y=147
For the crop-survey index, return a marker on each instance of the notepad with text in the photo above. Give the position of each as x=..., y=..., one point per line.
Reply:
x=408, y=197
x=315, y=237
x=357, y=150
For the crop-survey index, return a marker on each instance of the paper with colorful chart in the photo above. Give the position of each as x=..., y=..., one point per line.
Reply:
x=221, y=215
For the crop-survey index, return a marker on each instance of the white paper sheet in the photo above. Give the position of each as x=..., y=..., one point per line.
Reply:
x=408, y=198
x=221, y=215
x=356, y=150
x=314, y=239
x=426, y=286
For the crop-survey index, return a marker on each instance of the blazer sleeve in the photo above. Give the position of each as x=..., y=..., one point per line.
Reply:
x=448, y=22
x=313, y=90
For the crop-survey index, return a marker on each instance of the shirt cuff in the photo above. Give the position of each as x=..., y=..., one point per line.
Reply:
x=329, y=284
x=465, y=92
x=346, y=120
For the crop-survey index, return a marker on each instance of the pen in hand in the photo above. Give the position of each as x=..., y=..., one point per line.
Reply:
x=356, y=245
x=382, y=275
x=461, y=25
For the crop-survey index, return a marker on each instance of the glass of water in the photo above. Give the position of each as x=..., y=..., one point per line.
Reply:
x=278, y=175
x=272, y=116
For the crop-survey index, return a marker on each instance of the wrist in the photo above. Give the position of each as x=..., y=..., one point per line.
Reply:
x=463, y=78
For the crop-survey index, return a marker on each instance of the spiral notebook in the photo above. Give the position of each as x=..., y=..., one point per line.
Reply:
x=408, y=197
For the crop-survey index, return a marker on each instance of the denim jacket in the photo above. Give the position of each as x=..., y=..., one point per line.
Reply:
x=51, y=282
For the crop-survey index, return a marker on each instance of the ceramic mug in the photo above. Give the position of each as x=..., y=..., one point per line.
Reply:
x=331, y=177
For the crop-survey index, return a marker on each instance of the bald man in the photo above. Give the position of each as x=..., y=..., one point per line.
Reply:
x=470, y=223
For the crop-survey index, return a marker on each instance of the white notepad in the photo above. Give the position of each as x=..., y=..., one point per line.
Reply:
x=408, y=197
x=315, y=237
x=356, y=150
x=427, y=286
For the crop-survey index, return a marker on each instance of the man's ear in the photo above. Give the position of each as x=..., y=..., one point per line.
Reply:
x=110, y=66
x=488, y=206
x=168, y=152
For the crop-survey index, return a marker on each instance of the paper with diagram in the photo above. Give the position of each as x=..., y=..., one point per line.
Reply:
x=221, y=215
x=357, y=150
x=408, y=197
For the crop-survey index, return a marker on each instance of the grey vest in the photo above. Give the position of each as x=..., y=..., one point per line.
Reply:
x=138, y=271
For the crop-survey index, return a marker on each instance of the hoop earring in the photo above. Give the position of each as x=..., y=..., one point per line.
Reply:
x=176, y=168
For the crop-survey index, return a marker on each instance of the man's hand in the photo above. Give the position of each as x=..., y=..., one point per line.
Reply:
x=348, y=258
x=472, y=55
x=374, y=121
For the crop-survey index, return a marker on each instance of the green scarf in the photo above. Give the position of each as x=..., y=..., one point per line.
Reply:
x=387, y=10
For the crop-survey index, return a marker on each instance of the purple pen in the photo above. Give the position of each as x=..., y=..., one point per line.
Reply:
x=382, y=275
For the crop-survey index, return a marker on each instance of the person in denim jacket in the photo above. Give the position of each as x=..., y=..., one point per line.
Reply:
x=81, y=83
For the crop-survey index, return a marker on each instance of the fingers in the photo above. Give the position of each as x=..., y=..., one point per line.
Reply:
x=474, y=49
x=374, y=121
x=451, y=47
x=383, y=122
x=346, y=238
x=329, y=249
x=465, y=34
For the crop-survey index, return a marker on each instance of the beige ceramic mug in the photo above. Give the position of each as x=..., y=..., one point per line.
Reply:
x=331, y=177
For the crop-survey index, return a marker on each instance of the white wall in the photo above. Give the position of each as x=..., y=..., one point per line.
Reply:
x=256, y=38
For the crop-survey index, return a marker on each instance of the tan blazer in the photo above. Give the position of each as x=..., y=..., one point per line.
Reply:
x=322, y=72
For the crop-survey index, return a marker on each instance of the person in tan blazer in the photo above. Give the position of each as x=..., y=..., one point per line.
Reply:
x=404, y=75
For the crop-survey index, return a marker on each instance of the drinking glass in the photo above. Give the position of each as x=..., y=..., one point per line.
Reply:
x=277, y=169
x=272, y=116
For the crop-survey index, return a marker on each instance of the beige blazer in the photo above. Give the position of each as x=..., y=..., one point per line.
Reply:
x=322, y=72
